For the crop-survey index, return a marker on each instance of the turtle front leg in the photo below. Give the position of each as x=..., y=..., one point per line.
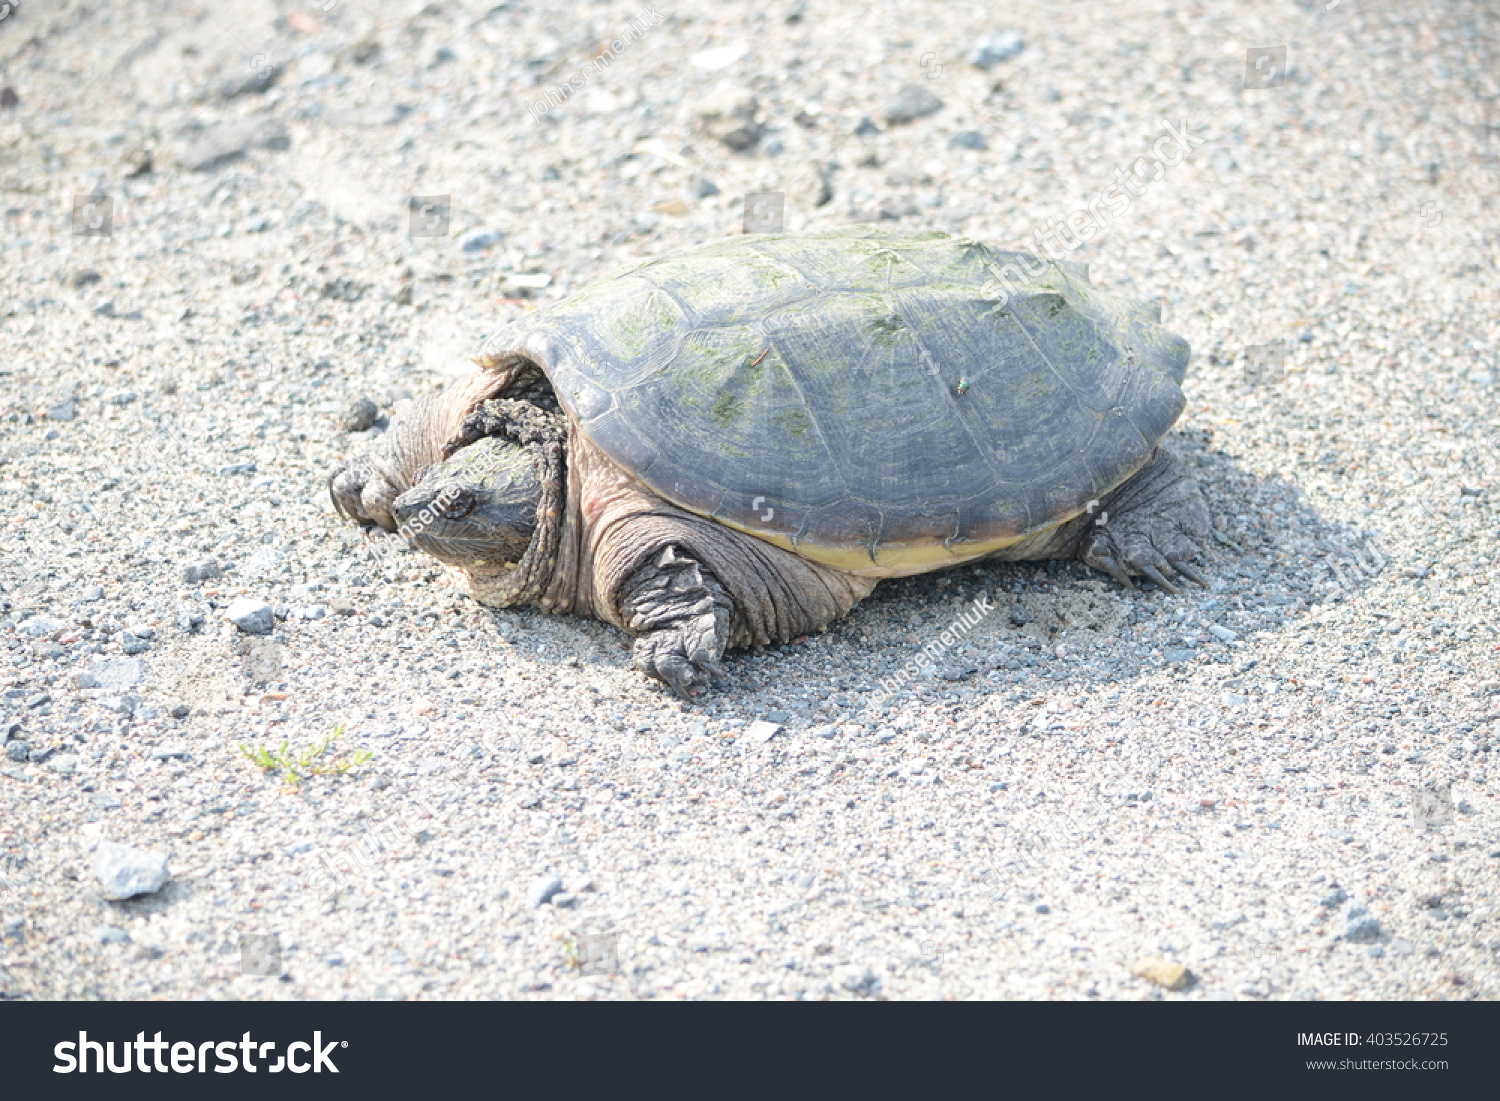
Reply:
x=681, y=614
x=1152, y=526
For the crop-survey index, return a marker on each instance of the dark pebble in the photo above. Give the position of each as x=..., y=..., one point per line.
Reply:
x=359, y=415
x=911, y=103
x=968, y=139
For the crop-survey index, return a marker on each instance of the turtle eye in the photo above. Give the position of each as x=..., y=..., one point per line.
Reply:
x=459, y=506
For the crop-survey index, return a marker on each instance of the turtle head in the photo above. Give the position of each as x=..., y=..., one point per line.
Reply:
x=476, y=509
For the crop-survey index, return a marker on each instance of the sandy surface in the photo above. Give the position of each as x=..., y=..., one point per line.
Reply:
x=1280, y=783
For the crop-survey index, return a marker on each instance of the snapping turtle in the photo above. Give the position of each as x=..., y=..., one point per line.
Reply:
x=730, y=446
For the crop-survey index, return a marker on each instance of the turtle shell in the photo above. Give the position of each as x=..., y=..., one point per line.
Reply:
x=882, y=402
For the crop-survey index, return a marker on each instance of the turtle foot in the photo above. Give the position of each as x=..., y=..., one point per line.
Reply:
x=681, y=614
x=1151, y=527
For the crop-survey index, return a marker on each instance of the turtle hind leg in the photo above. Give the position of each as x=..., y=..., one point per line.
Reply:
x=1151, y=527
x=680, y=614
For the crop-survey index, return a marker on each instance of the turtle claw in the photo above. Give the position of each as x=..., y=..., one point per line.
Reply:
x=1160, y=578
x=1111, y=567
x=659, y=655
x=1151, y=527
x=1189, y=571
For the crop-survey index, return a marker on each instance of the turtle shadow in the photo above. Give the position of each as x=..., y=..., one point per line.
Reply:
x=999, y=629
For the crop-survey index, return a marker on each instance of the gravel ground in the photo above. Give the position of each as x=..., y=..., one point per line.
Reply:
x=212, y=285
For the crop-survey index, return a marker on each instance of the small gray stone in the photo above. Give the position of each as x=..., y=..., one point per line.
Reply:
x=911, y=103
x=866, y=128
x=251, y=82
x=251, y=616
x=480, y=239
x=84, y=277
x=995, y=49
x=133, y=643
x=63, y=410
x=777, y=716
x=827, y=730
x=706, y=188
x=1337, y=897
x=204, y=571
x=1359, y=926
x=860, y=981
x=230, y=142
x=344, y=290
x=17, y=751
x=1176, y=657
x=120, y=705
x=359, y=415
x=762, y=731
x=729, y=118
x=111, y=934
x=40, y=626
x=1223, y=634
x=179, y=711
x=116, y=674
x=124, y=871
x=544, y=890
x=229, y=470
x=968, y=139
x=91, y=594
x=64, y=764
